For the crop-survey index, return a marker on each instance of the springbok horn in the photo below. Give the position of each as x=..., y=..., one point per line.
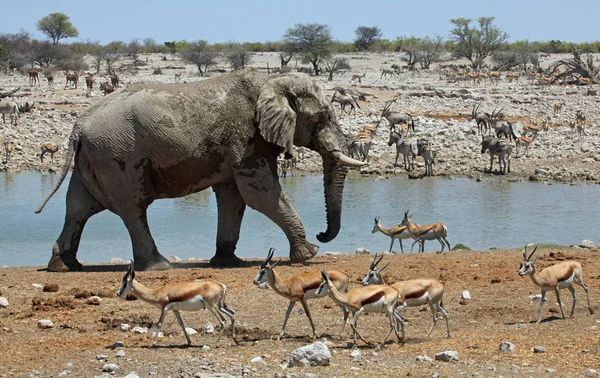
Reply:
x=372, y=267
x=532, y=253
x=380, y=258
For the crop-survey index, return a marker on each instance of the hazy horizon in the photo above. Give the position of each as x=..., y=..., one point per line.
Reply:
x=262, y=21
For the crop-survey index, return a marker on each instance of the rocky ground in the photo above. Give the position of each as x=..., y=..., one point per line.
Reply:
x=88, y=319
x=441, y=110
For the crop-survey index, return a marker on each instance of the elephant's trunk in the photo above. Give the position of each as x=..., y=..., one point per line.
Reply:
x=334, y=175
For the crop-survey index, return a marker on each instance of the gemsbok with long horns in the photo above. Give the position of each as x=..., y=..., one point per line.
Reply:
x=558, y=276
x=412, y=293
x=181, y=296
x=433, y=231
x=376, y=298
x=395, y=118
x=300, y=288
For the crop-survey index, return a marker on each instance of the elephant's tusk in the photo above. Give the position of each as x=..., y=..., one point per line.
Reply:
x=340, y=157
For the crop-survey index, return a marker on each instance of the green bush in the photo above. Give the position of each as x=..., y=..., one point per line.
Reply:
x=460, y=246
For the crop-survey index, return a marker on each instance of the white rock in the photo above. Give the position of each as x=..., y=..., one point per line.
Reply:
x=309, y=375
x=205, y=347
x=506, y=346
x=587, y=244
x=537, y=297
x=174, y=259
x=45, y=324
x=550, y=371
x=37, y=286
x=132, y=375
x=190, y=331
x=124, y=327
x=3, y=302
x=138, y=329
x=64, y=373
x=120, y=353
x=538, y=349
x=110, y=368
x=257, y=360
x=362, y=251
x=117, y=260
x=208, y=329
x=447, y=356
x=101, y=357
x=589, y=373
x=356, y=355
x=329, y=253
x=316, y=354
x=465, y=295
x=422, y=358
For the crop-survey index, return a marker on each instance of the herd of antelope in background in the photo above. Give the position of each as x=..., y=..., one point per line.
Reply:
x=374, y=296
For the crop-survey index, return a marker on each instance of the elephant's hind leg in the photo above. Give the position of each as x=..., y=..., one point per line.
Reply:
x=231, y=207
x=81, y=205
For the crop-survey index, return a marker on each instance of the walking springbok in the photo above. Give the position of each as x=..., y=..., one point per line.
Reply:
x=413, y=293
x=500, y=148
x=10, y=108
x=433, y=231
x=558, y=276
x=345, y=100
x=524, y=141
x=181, y=296
x=300, y=288
x=48, y=148
x=34, y=77
x=376, y=298
x=396, y=232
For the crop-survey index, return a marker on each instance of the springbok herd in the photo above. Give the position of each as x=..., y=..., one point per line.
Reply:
x=375, y=296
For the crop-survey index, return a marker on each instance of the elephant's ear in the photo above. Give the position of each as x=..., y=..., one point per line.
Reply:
x=275, y=113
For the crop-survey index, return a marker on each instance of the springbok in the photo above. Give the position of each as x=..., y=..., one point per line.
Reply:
x=181, y=296
x=524, y=141
x=558, y=276
x=376, y=298
x=558, y=108
x=300, y=288
x=8, y=149
x=48, y=148
x=433, y=231
x=413, y=293
x=396, y=232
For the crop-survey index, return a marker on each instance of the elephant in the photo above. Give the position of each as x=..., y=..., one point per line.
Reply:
x=155, y=140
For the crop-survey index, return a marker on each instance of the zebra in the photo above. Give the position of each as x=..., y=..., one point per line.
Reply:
x=499, y=147
x=395, y=118
x=408, y=148
x=360, y=146
x=345, y=100
x=425, y=149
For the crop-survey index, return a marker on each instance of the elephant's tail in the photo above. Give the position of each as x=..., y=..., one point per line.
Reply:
x=73, y=143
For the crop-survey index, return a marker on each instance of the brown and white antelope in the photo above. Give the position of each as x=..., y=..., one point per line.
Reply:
x=433, y=231
x=181, y=296
x=300, y=288
x=413, y=293
x=358, y=77
x=525, y=142
x=396, y=232
x=8, y=149
x=178, y=75
x=558, y=276
x=48, y=148
x=376, y=298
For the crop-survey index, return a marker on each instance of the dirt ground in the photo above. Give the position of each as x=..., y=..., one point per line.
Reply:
x=500, y=309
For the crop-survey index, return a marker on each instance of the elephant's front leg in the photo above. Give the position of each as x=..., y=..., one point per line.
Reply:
x=231, y=207
x=261, y=191
x=145, y=253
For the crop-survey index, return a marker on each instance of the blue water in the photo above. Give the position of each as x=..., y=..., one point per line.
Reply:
x=481, y=215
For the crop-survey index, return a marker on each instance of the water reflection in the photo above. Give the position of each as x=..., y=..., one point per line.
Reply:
x=492, y=213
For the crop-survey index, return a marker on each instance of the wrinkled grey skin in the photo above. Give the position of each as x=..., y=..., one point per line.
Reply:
x=155, y=140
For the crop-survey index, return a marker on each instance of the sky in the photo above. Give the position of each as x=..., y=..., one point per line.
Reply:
x=260, y=21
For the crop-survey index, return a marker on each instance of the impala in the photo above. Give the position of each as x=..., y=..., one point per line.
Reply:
x=376, y=298
x=396, y=232
x=558, y=276
x=434, y=231
x=182, y=296
x=413, y=293
x=300, y=288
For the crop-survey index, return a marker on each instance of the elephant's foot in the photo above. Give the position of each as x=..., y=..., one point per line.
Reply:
x=62, y=263
x=301, y=252
x=157, y=262
x=229, y=260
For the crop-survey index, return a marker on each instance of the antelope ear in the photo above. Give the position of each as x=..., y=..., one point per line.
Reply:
x=275, y=112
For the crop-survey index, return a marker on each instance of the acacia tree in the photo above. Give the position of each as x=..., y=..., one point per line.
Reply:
x=430, y=49
x=313, y=41
x=201, y=54
x=57, y=26
x=476, y=43
x=238, y=55
x=366, y=36
x=335, y=64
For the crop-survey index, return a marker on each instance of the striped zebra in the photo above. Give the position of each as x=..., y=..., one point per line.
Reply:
x=499, y=147
x=425, y=149
x=360, y=146
x=408, y=148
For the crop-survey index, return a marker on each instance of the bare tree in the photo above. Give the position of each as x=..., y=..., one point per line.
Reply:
x=430, y=50
x=287, y=52
x=112, y=53
x=15, y=50
x=133, y=50
x=366, y=36
x=313, y=41
x=201, y=54
x=334, y=65
x=476, y=43
x=238, y=55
